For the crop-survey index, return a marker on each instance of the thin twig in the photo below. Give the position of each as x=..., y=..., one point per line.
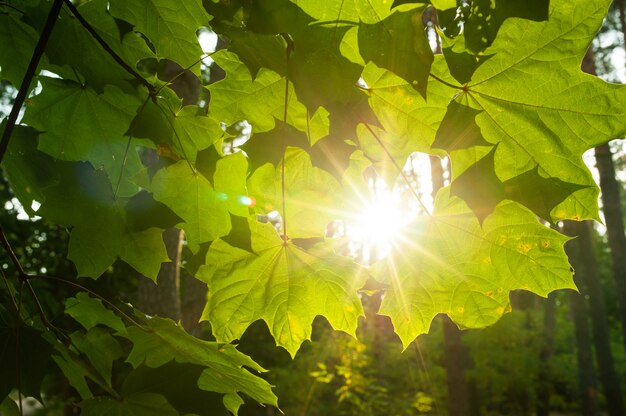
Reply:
x=85, y=289
x=28, y=76
x=108, y=49
x=408, y=183
x=6, y=283
x=140, y=111
x=10, y=6
x=175, y=77
x=42, y=314
x=9, y=250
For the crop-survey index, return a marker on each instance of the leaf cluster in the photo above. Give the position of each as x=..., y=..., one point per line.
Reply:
x=113, y=151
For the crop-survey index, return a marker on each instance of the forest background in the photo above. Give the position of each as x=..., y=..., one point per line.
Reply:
x=562, y=354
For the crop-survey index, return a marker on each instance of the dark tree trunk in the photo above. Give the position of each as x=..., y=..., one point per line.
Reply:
x=163, y=298
x=583, y=259
x=611, y=204
x=455, y=353
x=584, y=356
x=193, y=301
x=544, y=386
x=612, y=208
x=455, y=357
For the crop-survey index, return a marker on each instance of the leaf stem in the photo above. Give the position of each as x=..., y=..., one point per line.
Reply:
x=180, y=142
x=457, y=87
x=288, y=50
x=282, y=173
x=108, y=49
x=91, y=292
x=28, y=76
x=406, y=180
x=131, y=130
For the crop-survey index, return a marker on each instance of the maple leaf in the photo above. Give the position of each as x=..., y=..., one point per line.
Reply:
x=309, y=196
x=282, y=284
x=468, y=277
x=223, y=365
x=170, y=27
x=542, y=111
x=82, y=197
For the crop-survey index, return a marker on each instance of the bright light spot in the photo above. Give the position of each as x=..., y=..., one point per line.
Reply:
x=382, y=213
x=379, y=224
x=247, y=201
x=208, y=41
x=381, y=220
x=16, y=207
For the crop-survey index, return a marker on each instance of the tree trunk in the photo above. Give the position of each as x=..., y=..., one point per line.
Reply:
x=544, y=385
x=163, y=298
x=583, y=259
x=584, y=356
x=456, y=355
x=611, y=205
x=612, y=208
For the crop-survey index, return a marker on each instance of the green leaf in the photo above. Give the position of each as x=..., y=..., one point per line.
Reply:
x=405, y=121
x=90, y=312
x=309, y=194
x=77, y=124
x=8, y=407
x=185, y=130
x=458, y=129
x=320, y=72
x=74, y=370
x=178, y=383
x=283, y=285
x=487, y=16
x=170, y=28
x=398, y=43
x=24, y=355
x=191, y=196
x=100, y=348
x=29, y=171
x=481, y=189
x=18, y=40
x=540, y=109
x=141, y=404
x=82, y=197
x=347, y=11
x=76, y=55
x=468, y=277
x=260, y=101
x=224, y=365
x=230, y=183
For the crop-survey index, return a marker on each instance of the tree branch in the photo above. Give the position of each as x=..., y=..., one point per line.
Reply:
x=53, y=15
x=109, y=50
x=9, y=250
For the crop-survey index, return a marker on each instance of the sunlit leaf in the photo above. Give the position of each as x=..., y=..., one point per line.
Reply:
x=468, y=277
x=171, y=28
x=282, y=284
